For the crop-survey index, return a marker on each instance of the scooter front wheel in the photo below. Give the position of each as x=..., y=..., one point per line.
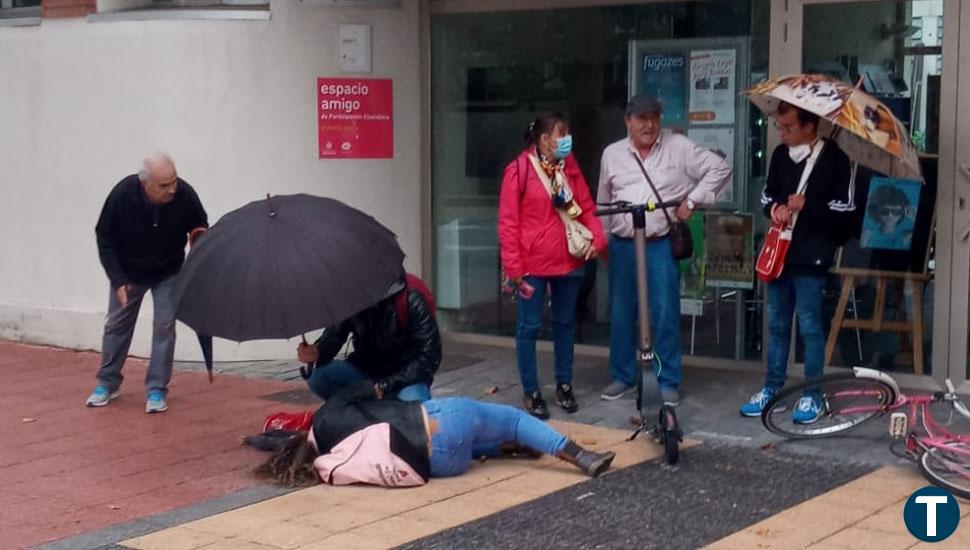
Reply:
x=669, y=432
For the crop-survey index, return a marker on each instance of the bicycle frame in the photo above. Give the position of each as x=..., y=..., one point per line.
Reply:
x=851, y=399
x=918, y=414
x=937, y=435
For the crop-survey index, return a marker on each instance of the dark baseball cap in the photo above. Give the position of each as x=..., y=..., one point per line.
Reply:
x=641, y=104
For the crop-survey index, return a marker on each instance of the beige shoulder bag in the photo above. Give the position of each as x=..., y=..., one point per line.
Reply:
x=579, y=238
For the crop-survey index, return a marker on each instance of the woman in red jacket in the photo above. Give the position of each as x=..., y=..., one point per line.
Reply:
x=541, y=189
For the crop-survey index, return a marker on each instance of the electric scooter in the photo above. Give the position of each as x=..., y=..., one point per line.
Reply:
x=662, y=424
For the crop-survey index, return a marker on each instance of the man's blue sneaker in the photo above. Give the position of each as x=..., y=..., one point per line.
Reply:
x=101, y=396
x=808, y=410
x=757, y=403
x=156, y=402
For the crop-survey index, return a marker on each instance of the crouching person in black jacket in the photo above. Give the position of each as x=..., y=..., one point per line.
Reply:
x=396, y=347
x=437, y=438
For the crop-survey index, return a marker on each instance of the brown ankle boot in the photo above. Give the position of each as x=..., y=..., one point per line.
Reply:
x=590, y=462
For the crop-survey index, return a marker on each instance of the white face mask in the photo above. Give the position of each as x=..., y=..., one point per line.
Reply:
x=799, y=153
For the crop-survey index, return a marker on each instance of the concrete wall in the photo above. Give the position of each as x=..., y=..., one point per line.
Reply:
x=234, y=102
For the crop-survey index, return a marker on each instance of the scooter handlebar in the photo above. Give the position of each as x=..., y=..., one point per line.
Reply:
x=623, y=208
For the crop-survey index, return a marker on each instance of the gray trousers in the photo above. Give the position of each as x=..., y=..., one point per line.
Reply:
x=120, y=326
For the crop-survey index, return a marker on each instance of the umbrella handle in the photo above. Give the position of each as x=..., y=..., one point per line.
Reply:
x=306, y=371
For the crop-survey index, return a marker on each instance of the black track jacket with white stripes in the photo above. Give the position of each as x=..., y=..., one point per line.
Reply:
x=824, y=224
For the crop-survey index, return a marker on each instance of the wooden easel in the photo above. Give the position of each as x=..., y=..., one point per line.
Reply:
x=912, y=326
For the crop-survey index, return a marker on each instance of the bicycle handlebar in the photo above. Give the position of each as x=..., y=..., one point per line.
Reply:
x=625, y=207
x=957, y=404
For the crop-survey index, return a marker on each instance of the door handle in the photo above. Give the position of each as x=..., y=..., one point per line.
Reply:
x=965, y=170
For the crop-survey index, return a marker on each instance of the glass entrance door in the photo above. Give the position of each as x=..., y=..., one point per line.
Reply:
x=916, y=271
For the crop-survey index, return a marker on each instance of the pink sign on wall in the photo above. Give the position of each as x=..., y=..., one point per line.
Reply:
x=356, y=118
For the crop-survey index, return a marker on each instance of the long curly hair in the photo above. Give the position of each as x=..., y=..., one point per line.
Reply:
x=291, y=465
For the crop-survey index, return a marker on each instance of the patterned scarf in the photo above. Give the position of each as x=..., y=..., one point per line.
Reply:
x=562, y=195
x=551, y=168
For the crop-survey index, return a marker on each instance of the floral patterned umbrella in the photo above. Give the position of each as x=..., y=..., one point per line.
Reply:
x=864, y=128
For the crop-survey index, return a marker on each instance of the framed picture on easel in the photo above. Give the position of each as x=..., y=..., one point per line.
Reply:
x=890, y=215
x=894, y=228
x=892, y=242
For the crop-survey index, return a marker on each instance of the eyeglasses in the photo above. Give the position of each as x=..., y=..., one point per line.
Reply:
x=785, y=127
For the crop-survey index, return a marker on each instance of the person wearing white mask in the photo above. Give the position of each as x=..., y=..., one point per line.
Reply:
x=824, y=210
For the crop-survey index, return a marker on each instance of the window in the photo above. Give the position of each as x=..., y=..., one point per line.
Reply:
x=142, y=10
x=17, y=11
x=207, y=3
x=18, y=4
x=490, y=75
x=11, y=4
x=917, y=30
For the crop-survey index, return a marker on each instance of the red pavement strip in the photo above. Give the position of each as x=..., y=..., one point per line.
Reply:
x=66, y=469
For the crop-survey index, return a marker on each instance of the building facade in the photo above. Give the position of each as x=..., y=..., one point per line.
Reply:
x=230, y=90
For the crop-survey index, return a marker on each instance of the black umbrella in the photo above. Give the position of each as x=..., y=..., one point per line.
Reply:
x=286, y=265
x=205, y=342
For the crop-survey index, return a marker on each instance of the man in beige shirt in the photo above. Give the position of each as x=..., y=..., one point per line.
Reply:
x=682, y=171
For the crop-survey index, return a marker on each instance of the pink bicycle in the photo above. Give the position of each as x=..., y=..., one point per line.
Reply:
x=855, y=397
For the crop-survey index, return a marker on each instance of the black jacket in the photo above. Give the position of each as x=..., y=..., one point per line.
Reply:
x=142, y=243
x=356, y=407
x=824, y=224
x=386, y=354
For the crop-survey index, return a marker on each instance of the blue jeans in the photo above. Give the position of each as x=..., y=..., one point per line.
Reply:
x=528, y=321
x=663, y=282
x=336, y=375
x=786, y=296
x=469, y=428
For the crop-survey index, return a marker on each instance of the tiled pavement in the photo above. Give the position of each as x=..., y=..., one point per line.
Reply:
x=66, y=469
x=860, y=515
x=112, y=474
x=369, y=517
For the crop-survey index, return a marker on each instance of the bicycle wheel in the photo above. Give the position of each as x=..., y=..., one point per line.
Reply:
x=948, y=466
x=847, y=401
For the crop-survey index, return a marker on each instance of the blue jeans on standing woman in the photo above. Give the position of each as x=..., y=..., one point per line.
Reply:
x=663, y=283
x=468, y=429
x=528, y=321
x=786, y=296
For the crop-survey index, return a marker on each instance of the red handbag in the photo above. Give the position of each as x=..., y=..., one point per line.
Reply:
x=301, y=421
x=771, y=260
